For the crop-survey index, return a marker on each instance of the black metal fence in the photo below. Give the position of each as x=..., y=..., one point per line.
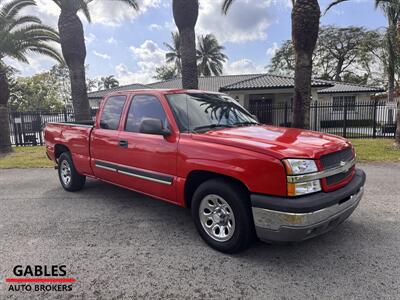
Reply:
x=26, y=128
x=367, y=119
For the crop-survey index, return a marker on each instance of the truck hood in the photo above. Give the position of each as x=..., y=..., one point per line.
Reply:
x=276, y=141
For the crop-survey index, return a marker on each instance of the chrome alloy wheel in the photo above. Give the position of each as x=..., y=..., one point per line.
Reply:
x=66, y=175
x=217, y=218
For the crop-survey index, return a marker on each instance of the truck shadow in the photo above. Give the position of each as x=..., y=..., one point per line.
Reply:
x=174, y=225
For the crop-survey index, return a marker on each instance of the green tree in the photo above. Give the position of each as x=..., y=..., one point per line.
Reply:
x=19, y=35
x=74, y=49
x=305, y=27
x=391, y=9
x=39, y=92
x=174, y=56
x=108, y=82
x=166, y=72
x=348, y=53
x=210, y=56
x=185, y=14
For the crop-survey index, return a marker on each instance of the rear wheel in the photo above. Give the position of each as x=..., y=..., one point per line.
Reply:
x=70, y=179
x=222, y=215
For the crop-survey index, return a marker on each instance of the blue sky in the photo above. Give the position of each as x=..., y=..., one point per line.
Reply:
x=129, y=44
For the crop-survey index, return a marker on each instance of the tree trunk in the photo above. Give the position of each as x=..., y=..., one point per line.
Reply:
x=74, y=52
x=302, y=91
x=338, y=70
x=189, y=61
x=5, y=142
x=185, y=15
x=305, y=28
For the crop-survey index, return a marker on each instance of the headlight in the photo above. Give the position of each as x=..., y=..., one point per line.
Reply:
x=300, y=166
x=303, y=188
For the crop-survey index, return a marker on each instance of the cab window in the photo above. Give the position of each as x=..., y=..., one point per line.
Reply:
x=112, y=112
x=144, y=106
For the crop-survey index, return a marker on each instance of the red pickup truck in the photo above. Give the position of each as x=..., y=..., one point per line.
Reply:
x=204, y=151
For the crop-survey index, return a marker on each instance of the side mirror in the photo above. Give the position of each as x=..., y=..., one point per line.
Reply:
x=255, y=118
x=153, y=126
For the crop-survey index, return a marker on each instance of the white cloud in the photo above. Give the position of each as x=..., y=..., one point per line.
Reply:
x=89, y=38
x=102, y=55
x=247, y=20
x=148, y=57
x=112, y=41
x=155, y=27
x=113, y=13
x=243, y=66
x=271, y=51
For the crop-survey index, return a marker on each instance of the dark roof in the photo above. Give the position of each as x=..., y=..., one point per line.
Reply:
x=343, y=87
x=245, y=82
x=102, y=93
x=269, y=81
x=212, y=84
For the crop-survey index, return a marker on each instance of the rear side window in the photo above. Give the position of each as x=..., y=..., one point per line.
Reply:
x=112, y=112
x=144, y=106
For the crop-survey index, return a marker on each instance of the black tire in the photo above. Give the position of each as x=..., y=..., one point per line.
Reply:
x=77, y=181
x=238, y=200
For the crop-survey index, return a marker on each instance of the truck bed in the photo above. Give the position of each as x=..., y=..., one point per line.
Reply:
x=73, y=135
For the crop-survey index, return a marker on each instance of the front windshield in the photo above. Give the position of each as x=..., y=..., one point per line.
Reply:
x=196, y=112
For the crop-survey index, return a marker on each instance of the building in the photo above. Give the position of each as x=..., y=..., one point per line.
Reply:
x=271, y=93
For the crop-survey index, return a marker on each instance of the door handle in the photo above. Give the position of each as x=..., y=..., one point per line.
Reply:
x=123, y=144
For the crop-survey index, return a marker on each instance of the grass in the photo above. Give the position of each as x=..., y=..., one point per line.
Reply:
x=25, y=157
x=368, y=150
x=376, y=150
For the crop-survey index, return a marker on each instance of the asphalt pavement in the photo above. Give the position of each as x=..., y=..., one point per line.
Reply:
x=119, y=244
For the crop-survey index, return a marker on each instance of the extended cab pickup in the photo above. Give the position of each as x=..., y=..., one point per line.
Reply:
x=204, y=151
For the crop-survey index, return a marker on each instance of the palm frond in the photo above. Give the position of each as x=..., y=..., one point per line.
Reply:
x=334, y=3
x=20, y=35
x=132, y=3
x=11, y=9
x=226, y=5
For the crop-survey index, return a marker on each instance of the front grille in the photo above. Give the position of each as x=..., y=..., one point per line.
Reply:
x=338, y=177
x=333, y=159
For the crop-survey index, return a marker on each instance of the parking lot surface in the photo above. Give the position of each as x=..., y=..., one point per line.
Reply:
x=120, y=244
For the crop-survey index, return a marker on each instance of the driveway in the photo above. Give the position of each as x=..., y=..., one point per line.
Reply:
x=120, y=244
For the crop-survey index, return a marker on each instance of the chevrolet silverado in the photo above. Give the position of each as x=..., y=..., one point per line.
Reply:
x=204, y=151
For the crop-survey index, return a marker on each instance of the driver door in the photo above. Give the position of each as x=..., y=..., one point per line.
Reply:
x=148, y=161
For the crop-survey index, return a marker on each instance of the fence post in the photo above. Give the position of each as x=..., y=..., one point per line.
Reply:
x=65, y=114
x=345, y=119
x=315, y=115
x=375, y=108
x=286, y=115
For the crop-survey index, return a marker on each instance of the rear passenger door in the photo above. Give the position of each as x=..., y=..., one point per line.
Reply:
x=104, y=138
x=148, y=160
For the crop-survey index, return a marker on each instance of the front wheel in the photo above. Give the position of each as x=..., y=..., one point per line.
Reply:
x=70, y=179
x=222, y=215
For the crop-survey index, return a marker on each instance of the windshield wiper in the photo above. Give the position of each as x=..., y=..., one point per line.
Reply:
x=211, y=126
x=246, y=123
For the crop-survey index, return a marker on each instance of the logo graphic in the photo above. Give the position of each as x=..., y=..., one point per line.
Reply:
x=39, y=278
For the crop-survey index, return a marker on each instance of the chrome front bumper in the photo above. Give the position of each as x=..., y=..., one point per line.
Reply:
x=282, y=226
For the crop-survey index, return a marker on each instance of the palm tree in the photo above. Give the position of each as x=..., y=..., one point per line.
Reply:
x=210, y=56
x=74, y=49
x=305, y=28
x=186, y=13
x=108, y=82
x=174, y=55
x=19, y=35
